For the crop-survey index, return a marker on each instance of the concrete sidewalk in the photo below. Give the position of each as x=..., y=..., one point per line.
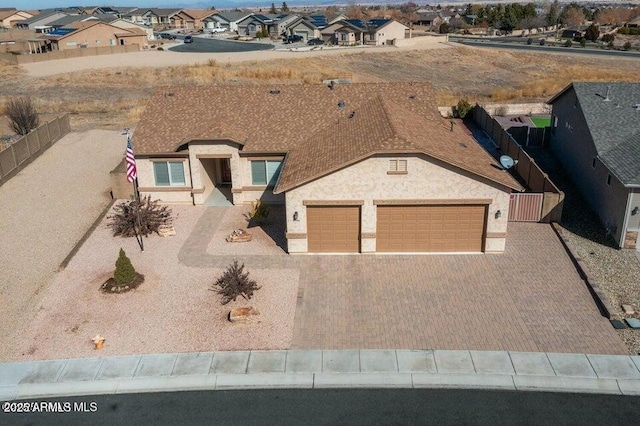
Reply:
x=307, y=369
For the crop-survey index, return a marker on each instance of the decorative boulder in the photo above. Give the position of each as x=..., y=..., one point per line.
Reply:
x=239, y=236
x=243, y=315
x=166, y=231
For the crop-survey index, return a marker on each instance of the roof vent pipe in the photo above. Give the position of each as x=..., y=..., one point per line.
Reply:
x=452, y=123
x=606, y=99
x=637, y=107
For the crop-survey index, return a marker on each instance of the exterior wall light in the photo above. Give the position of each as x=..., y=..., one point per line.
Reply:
x=295, y=216
x=498, y=214
x=635, y=210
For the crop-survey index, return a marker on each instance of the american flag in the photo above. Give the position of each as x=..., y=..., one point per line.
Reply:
x=132, y=172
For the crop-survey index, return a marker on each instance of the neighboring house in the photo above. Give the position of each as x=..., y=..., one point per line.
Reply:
x=159, y=17
x=634, y=23
x=353, y=32
x=41, y=20
x=338, y=18
x=252, y=24
x=595, y=134
x=93, y=34
x=429, y=19
x=127, y=25
x=8, y=19
x=303, y=28
x=383, y=31
x=190, y=19
x=227, y=19
x=368, y=168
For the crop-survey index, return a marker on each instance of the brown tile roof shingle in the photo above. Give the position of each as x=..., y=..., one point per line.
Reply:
x=307, y=122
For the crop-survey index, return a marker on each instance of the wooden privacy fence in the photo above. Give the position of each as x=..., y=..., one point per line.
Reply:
x=29, y=147
x=535, y=179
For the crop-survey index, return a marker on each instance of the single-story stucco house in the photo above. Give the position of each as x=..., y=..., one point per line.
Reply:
x=368, y=168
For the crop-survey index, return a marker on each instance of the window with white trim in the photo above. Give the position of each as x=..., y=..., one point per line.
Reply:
x=398, y=166
x=169, y=173
x=265, y=172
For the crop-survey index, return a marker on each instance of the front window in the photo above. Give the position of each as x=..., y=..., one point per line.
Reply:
x=265, y=172
x=372, y=37
x=343, y=37
x=169, y=173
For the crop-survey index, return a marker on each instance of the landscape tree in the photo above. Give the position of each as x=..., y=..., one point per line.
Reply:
x=273, y=9
x=131, y=218
x=409, y=14
x=22, y=115
x=592, y=33
x=572, y=15
x=354, y=11
x=509, y=20
x=285, y=7
x=331, y=12
x=444, y=28
x=532, y=22
x=553, y=13
x=627, y=45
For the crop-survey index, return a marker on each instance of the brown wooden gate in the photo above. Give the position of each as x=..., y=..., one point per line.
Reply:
x=525, y=207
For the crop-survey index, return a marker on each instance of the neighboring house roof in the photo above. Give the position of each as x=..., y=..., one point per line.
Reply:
x=78, y=26
x=398, y=117
x=66, y=20
x=198, y=13
x=234, y=15
x=302, y=21
x=614, y=125
x=41, y=16
x=162, y=12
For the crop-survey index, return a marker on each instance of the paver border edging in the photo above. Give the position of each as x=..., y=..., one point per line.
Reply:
x=86, y=236
x=601, y=299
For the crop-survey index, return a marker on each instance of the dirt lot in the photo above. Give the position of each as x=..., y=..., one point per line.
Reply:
x=114, y=98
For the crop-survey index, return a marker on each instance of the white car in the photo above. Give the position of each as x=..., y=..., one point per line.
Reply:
x=218, y=30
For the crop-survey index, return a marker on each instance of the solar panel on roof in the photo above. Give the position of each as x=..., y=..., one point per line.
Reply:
x=61, y=31
x=356, y=22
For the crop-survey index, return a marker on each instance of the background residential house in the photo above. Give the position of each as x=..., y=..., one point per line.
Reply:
x=595, y=134
x=93, y=34
x=304, y=28
x=8, y=19
x=370, y=168
x=190, y=19
x=40, y=22
x=159, y=17
x=226, y=19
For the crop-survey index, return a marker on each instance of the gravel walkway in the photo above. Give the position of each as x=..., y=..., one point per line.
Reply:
x=174, y=310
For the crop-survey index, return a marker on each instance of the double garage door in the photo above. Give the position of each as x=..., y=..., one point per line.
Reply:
x=423, y=228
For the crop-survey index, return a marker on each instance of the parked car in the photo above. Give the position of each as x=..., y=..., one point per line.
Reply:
x=315, y=42
x=218, y=30
x=188, y=39
x=167, y=36
x=293, y=39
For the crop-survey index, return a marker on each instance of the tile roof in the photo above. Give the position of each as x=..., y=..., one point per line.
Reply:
x=614, y=125
x=198, y=13
x=388, y=117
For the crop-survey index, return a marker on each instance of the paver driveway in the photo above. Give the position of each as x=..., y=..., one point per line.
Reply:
x=528, y=299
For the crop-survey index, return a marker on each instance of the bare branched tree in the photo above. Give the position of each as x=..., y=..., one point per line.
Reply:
x=22, y=115
x=126, y=223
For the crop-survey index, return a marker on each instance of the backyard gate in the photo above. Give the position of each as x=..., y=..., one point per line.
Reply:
x=525, y=207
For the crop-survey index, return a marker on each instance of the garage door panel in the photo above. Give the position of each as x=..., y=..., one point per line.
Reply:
x=428, y=228
x=333, y=229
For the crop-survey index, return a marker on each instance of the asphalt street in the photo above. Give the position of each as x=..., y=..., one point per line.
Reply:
x=547, y=49
x=219, y=46
x=342, y=407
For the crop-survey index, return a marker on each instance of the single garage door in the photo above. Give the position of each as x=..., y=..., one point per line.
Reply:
x=431, y=228
x=333, y=229
x=303, y=34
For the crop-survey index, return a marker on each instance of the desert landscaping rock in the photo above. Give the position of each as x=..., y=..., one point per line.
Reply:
x=244, y=315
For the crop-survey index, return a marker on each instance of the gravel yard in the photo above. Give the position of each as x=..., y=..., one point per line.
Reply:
x=267, y=239
x=174, y=310
x=616, y=271
x=45, y=210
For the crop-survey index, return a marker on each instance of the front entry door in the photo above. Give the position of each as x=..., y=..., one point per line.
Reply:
x=226, y=170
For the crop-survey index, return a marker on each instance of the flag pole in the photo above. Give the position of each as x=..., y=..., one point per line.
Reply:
x=132, y=176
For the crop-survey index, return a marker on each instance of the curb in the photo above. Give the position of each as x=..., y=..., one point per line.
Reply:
x=602, y=301
x=322, y=369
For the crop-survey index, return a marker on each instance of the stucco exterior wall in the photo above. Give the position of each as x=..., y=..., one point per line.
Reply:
x=572, y=144
x=392, y=31
x=100, y=35
x=198, y=174
x=368, y=180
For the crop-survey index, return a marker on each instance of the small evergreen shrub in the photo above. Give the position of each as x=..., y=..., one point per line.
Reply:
x=462, y=108
x=259, y=212
x=568, y=43
x=235, y=282
x=626, y=46
x=124, y=274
